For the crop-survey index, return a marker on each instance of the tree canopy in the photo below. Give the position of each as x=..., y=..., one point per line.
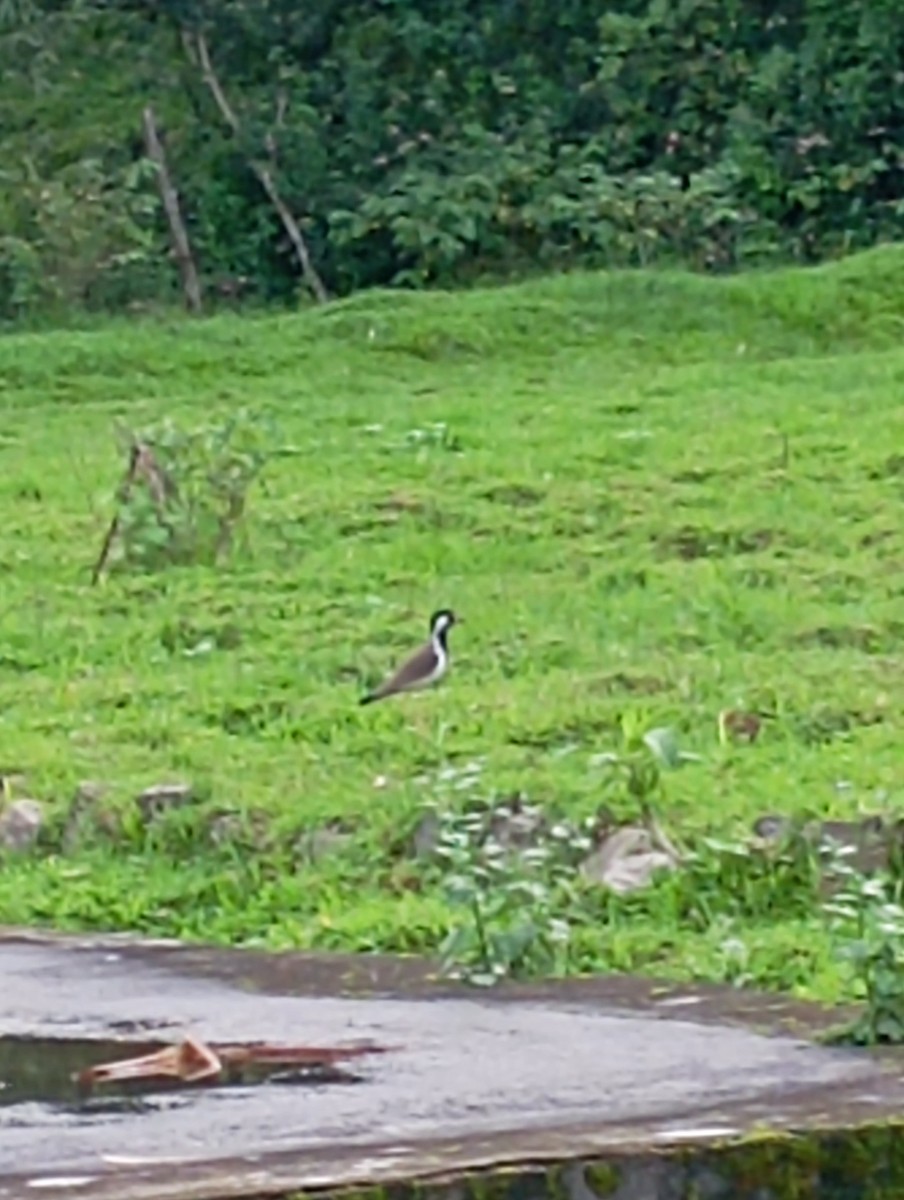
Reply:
x=432, y=144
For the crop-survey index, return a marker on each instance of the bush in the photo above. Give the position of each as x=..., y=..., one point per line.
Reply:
x=188, y=491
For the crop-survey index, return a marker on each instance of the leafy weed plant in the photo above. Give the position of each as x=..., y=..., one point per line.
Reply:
x=516, y=903
x=867, y=919
x=189, y=501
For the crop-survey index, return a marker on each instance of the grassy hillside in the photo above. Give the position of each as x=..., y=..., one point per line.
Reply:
x=650, y=497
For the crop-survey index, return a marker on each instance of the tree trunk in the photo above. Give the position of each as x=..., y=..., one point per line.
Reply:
x=197, y=51
x=191, y=284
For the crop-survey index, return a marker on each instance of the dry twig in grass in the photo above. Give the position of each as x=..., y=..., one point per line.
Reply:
x=144, y=469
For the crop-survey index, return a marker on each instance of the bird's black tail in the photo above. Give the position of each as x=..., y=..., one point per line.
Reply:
x=368, y=699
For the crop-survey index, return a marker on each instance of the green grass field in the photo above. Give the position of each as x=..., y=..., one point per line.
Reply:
x=650, y=496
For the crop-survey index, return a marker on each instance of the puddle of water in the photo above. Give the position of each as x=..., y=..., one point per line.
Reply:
x=44, y=1071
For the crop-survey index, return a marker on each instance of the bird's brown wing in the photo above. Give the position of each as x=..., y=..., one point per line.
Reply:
x=412, y=672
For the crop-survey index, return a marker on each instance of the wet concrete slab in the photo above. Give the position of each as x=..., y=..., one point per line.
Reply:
x=526, y=1074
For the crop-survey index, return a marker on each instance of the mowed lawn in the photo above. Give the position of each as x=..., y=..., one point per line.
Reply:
x=650, y=497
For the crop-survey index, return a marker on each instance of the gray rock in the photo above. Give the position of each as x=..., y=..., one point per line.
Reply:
x=230, y=827
x=867, y=845
x=87, y=818
x=318, y=844
x=627, y=860
x=516, y=825
x=225, y=828
x=425, y=838
x=163, y=797
x=20, y=824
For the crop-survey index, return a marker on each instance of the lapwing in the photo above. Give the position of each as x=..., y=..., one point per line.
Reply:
x=425, y=667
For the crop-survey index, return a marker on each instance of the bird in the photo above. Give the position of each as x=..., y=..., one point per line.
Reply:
x=425, y=667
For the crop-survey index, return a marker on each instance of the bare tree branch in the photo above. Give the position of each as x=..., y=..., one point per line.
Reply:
x=143, y=468
x=191, y=284
x=198, y=53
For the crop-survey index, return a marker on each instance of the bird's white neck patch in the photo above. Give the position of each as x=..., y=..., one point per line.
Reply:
x=439, y=648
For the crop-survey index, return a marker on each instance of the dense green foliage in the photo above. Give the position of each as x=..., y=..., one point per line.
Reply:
x=632, y=547
x=425, y=144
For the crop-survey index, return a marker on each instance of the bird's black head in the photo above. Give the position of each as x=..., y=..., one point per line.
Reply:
x=441, y=622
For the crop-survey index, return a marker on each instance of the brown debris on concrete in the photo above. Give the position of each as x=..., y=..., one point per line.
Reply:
x=194, y=1061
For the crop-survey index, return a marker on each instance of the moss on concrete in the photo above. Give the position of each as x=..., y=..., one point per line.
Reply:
x=866, y=1163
